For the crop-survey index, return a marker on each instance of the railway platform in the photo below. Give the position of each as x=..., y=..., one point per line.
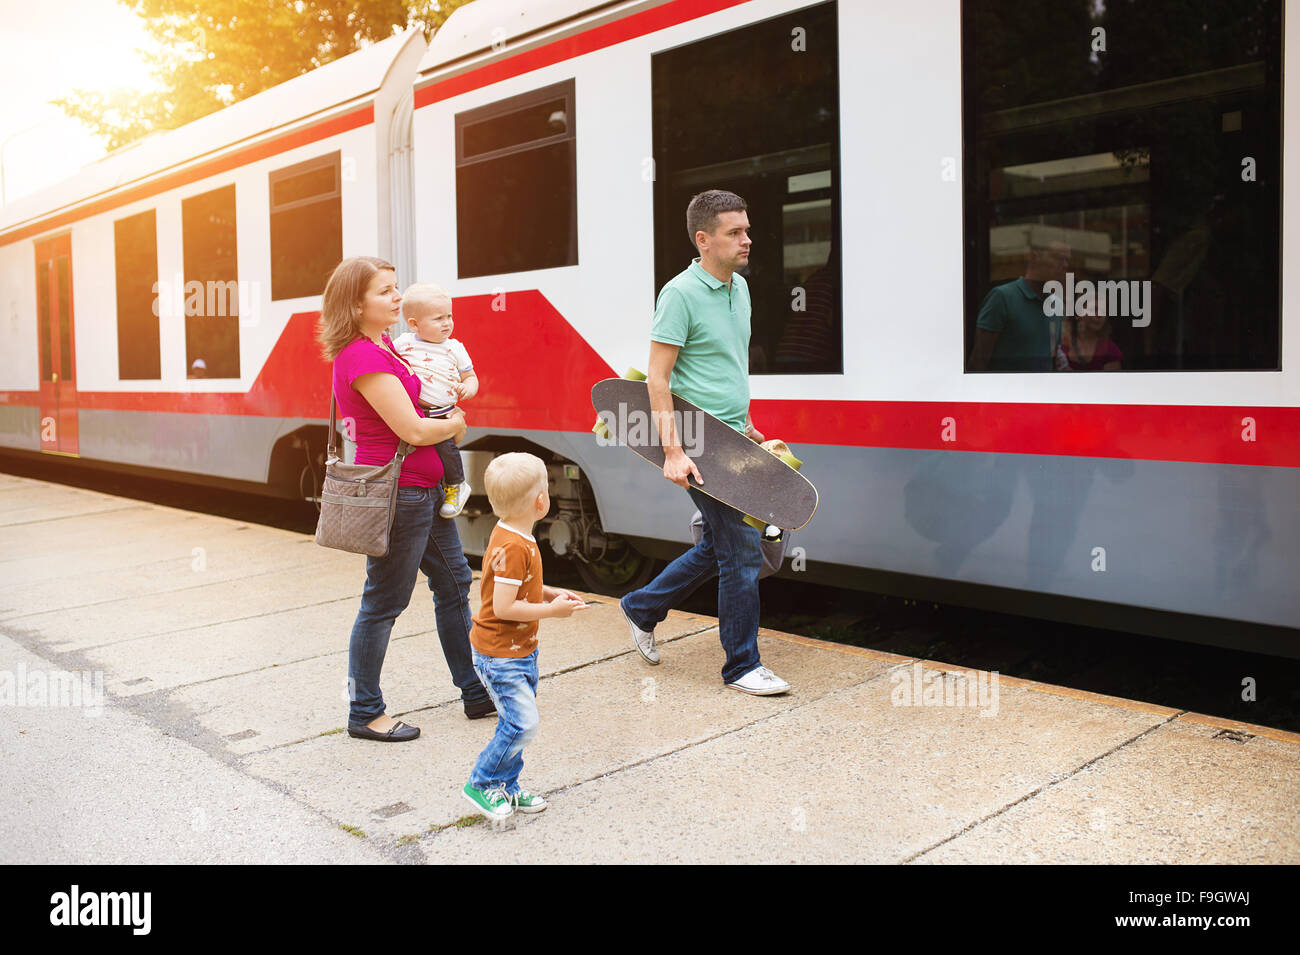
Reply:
x=172, y=689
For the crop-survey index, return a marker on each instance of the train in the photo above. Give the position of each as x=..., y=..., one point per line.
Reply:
x=901, y=163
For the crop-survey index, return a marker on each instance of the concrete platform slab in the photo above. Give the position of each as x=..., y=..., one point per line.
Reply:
x=42, y=503
x=595, y=720
x=286, y=703
x=203, y=604
x=220, y=557
x=641, y=763
x=121, y=539
x=113, y=789
x=1216, y=802
x=847, y=778
x=182, y=657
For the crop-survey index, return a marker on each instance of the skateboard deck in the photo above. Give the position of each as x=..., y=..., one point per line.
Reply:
x=736, y=471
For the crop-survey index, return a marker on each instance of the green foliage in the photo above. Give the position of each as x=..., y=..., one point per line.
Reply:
x=222, y=51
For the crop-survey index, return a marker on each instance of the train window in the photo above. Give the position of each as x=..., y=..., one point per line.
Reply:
x=135, y=257
x=65, y=318
x=306, y=226
x=516, y=184
x=208, y=238
x=771, y=135
x=1122, y=185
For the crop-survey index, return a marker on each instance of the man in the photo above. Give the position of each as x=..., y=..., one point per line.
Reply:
x=699, y=348
x=1013, y=332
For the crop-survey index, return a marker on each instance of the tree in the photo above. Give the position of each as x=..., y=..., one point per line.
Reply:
x=222, y=51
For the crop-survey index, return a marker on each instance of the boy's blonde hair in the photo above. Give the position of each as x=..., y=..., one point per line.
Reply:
x=422, y=296
x=512, y=480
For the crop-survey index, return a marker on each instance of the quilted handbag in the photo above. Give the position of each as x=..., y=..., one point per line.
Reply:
x=357, y=501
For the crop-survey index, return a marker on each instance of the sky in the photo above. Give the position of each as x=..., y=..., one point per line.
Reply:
x=87, y=43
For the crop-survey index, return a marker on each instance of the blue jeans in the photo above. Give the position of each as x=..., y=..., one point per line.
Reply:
x=453, y=469
x=420, y=540
x=512, y=684
x=729, y=548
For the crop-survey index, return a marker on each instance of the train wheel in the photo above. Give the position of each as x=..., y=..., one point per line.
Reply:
x=620, y=570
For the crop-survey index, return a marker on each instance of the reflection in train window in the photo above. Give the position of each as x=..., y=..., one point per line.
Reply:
x=306, y=226
x=1131, y=153
x=516, y=184
x=771, y=135
x=135, y=259
x=211, y=284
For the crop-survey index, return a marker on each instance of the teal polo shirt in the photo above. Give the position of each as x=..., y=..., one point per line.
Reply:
x=709, y=322
x=1015, y=312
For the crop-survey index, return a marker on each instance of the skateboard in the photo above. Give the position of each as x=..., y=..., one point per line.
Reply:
x=737, y=471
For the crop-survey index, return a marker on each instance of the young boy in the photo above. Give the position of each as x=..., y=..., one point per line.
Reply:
x=446, y=376
x=504, y=635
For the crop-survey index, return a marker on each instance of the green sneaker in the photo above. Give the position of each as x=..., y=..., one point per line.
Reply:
x=492, y=803
x=526, y=802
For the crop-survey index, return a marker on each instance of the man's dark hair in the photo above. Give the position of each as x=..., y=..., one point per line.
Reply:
x=702, y=213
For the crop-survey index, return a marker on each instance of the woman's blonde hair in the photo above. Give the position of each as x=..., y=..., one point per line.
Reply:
x=347, y=285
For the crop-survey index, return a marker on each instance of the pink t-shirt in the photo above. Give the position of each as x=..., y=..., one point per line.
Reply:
x=1104, y=353
x=376, y=442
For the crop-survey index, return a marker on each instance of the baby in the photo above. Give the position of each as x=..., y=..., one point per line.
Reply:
x=446, y=377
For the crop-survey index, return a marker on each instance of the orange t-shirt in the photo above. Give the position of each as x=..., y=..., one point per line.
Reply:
x=513, y=558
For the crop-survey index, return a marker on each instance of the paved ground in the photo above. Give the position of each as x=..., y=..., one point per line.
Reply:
x=222, y=653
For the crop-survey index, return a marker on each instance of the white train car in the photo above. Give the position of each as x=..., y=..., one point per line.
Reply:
x=900, y=162
x=160, y=306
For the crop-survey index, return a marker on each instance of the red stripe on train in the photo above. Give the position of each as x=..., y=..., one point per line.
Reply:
x=241, y=157
x=537, y=372
x=597, y=38
x=1209, y=434
x=294, y=383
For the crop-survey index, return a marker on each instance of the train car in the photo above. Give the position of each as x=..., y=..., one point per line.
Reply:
x=160, y=306
x=908, y=169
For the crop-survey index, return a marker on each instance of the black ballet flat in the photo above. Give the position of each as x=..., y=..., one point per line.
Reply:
x=400, y=733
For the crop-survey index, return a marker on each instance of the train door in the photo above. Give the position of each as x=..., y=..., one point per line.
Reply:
x=58, y=400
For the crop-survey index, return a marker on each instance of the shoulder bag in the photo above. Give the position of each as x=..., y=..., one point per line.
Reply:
x=357, y=501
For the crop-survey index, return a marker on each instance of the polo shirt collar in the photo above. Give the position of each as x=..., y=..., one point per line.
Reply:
x=701, y=273
x=1027, y=291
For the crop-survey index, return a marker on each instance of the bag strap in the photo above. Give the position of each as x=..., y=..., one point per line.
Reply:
x=331, y=447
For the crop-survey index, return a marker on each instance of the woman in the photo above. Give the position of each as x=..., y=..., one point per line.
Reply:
x=1086, y=345
x=377, y=391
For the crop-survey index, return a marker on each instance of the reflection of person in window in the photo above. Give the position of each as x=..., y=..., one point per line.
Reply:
x=810, y=342
x=1013, y=332
x=1086, y=344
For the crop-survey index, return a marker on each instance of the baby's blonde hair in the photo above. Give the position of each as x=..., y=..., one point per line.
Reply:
x=512, y=480
x=420, y=297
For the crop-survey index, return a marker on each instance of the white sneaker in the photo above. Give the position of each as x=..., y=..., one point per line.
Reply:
x=761, y=681
x=643, y=641
x=454, y=499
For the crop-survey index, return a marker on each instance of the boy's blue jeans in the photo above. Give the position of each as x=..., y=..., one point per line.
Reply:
x=729, y=549
x=420, y=541
x=512, y=684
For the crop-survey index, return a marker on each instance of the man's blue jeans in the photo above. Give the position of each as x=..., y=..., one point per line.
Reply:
x=420, y=541
x=512, y=684
x=729, y=548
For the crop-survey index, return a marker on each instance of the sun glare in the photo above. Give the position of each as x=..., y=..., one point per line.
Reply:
x=90, y=44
